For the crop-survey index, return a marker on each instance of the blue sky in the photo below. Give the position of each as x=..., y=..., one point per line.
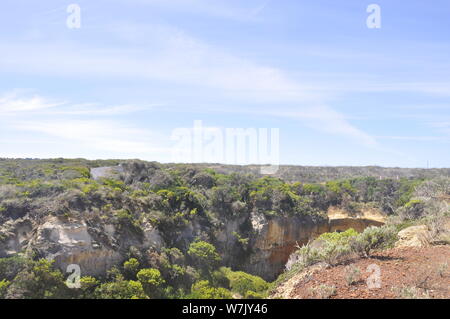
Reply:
x=339, y=92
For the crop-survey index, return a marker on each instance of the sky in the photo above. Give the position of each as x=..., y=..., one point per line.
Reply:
x=124, y=78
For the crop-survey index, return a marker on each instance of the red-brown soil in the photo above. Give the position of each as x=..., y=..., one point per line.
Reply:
x=423, y=272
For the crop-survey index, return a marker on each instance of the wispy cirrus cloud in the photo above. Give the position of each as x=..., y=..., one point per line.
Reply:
x=11, y=103
x=108, y=135
x=181, y=59
x=97, y=128
x=21, y=104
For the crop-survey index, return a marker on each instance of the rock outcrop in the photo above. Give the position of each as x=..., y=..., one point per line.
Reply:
x=414, y=236
x=69, y=242
x=95, y=248
x=277, y=238
x=106, y=172
x=341, y=220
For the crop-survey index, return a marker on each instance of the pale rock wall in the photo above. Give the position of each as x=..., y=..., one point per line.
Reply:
x=98, y=247
x=277, y=238
x=69, y=242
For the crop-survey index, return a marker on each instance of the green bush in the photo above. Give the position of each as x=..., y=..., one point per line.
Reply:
x=151, y=281
x=39, y=280
x=204, y=255
x=331, y=248
x=121, y=289
x=242, y=282
x=131, y=267
x=88, y=286
x=338, y=237
x=203, y=290
x=373, y=238
x=4, y=284
x=11, y=266
x=253, y=295
x=220, y=278
x=352, y=275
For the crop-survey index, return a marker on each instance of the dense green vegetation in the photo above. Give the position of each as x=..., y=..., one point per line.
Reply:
x=25, y=278
x=172, y=198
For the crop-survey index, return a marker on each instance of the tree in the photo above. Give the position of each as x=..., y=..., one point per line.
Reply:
x=39, y=281
x=203, y=290
x=11, y=266
x=204, y=255
x=242, y=283
x=88, y=285
x=151, y=281
x=131, y=267
x=121, y=289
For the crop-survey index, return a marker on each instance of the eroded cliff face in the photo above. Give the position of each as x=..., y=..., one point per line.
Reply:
x=95, y=248
x=341, y=220
x=277, y=238
x=98, y=246
x=69, y=242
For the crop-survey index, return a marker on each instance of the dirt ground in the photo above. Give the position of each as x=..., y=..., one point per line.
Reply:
x=394, y=273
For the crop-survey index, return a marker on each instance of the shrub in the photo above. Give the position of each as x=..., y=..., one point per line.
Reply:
x=324, y=291
x=413, y=209
x=88, y=286
x=204, y=254
x=203, y=290
x=39, y=281
x=4, y=284
x=131, y=267
x=352, y=275
x=333, y=253
x=128, y=222
x=253, y=295
x=11, y=266
x=220, y=278
x=331, y=248
x=242, y=282
x=408, y=292
x=373, y=238
x=121, y=289
x=338, y=237
x=151, y=281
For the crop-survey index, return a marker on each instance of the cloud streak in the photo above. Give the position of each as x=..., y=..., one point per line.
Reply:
x=180, y=59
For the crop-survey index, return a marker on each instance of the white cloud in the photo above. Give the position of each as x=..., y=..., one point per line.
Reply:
x=111, y=136
x=11, y=103
x=323, y=118
x=53, y=128
x=14, y=104
x=183, y=62
x=177, y=58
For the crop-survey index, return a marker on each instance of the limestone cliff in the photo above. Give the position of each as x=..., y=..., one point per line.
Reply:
x=277, y=238
x=97, y=246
